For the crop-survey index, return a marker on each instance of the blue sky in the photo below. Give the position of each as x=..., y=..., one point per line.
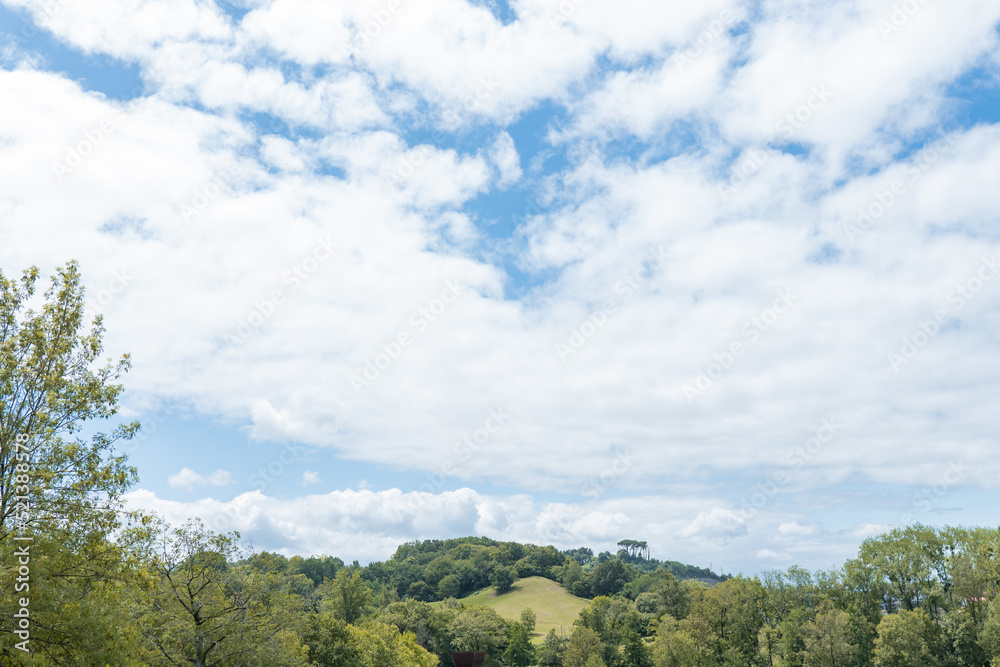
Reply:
x=715, y=275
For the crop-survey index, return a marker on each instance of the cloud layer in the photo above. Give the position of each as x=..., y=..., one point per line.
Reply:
x=697, y=233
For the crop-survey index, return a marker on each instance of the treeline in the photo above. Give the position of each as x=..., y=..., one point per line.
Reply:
x=434, y=570
x=913, y=597
x=160, y=596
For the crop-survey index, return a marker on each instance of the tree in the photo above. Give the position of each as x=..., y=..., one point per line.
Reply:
x=675, y=647
x=583, y=645
x=909, y=563
x=673, y=597
x=349, y=595
x=502, y=578
x=60, y=490
x=571, y=573
x=828, y=640
x=449, y=587
x=420, y=590
x=552, y=650
x=906, y=639
x=609, y=577
x=317, y=568
x=330, y=643
x=614, y=620
x=479, y=629
x=528, y=618
x=520, y=652
x=635, y=548
x=635, y=653
x=205, y=611
x=377, y=645
x=991, y=632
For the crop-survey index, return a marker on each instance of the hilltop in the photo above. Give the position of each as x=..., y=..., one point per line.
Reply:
x=554, y=608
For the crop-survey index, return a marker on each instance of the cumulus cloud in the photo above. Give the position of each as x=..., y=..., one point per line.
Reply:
x=504, y=156
x=188, y=480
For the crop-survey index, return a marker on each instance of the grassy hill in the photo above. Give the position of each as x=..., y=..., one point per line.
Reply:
x=554, y=607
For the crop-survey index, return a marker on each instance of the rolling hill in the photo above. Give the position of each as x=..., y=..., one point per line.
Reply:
x=554, y=607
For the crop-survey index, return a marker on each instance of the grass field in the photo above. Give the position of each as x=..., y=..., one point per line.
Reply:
x=554, y=607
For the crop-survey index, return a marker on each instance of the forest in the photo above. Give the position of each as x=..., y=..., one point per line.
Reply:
x=89, y=582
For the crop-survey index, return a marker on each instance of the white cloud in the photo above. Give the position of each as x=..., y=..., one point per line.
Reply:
x=240, y=313
x=369, y=525
x=309, y=478
x=793, y=528
x=188, y=480
x=504, y=155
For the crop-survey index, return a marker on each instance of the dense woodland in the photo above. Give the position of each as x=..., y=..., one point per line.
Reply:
x=87, y=582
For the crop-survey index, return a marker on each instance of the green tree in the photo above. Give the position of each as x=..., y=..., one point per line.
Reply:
x=528, y=619
x=634, y=652
x=60, y=490
x=420, y=590
x=348, y=595
x=571, y=574
x=330, y=643
x=907, y=639
x=828, y=640
x=479, y=629
x=768, y=643
x=431, y=626
x=583, y=645
x=552, y=650
x=990, y=637
x=958, y=627
x=675, y=647
x=520, y=652
x=909, y=563
x=377, y=645
x=609, y=577
x=204, y=611
x=317, y=568
x=502, y=578
x=449, y=587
